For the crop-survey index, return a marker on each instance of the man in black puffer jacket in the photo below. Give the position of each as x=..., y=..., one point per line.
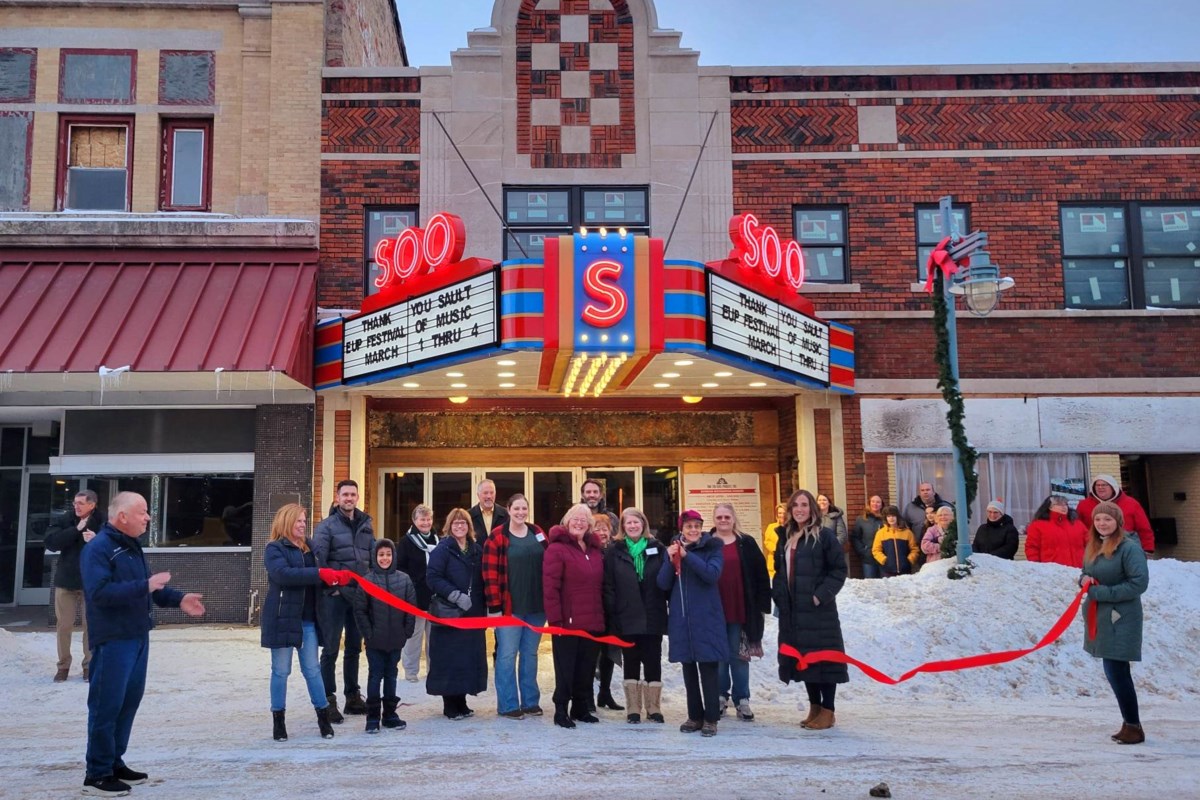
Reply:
x=343, y=540
x=385, y=630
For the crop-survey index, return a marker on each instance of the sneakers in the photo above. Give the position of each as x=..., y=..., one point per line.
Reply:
x=107, y=786
x=708, y=729
x=532, y=711
x=743, y=711
x=724, y=705
x=411, y=678
x=130, y=776
x=516, y=713
x=691, y=726
x=60, y=676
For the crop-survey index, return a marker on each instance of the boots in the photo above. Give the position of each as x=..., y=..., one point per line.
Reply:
x=334, y=716
x=652, y=696
x=813, y=710
x=1130, y=734
x=823, y=721
x=581, y=711
x=280, y=730
x=604, y=699
x=372, y=716
x=354, y=704
x=633, y=696
x=323, y=722
x=561, y=718
x=390, y=718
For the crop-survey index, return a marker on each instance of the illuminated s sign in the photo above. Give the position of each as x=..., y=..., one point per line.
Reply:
x=615, y=300
x=419, y=251
x=757, y=248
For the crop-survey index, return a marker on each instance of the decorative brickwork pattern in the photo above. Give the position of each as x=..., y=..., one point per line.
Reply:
x=575, y=90
x=370, y=85
x=371, y=126
x=948, y=83
x=774, y=126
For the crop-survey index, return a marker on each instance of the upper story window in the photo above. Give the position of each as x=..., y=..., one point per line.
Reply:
x=95, y=159
x=97, y=77
x=1118, y=255
x=381, y=223
x=534, y=213
x=821, y=232
x=187, y=165
x=18, y=74
x=186, y=77
x=931, y=231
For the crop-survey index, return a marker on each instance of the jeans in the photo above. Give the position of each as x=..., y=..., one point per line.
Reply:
x=734, y=671
x=871, y=568
x=382, y=668
x=516, y=683
x=410, y=656
x=821, y=694
x=646, y=656
x=574, y=665
x=118, y=680
x=337, y=614
x=700, y=681
x=310, y=668
x=1121, y=682
x=66, y=602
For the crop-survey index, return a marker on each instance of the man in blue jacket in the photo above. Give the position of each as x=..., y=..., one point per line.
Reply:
x=119, y=592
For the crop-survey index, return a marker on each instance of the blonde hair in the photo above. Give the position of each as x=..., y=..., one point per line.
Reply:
x=812, y=528
x=737, y=526
x=579, y=508
x=285, y=520
x=454, y=516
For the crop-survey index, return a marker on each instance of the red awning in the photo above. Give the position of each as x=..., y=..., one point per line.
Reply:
x=158, y=310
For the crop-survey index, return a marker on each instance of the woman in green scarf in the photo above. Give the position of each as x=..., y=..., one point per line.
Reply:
x=637, y=612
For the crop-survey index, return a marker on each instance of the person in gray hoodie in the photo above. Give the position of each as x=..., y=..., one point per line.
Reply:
x=385, y=630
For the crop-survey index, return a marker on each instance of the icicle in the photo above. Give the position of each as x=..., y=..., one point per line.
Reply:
x=272, y=379
x=217, y=373
x=110, y=377
x=6, y=381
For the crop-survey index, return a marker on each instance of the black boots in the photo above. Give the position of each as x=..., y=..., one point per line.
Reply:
x=323, y=717
x=280, y=730
x=390, y=718
x=354, y=705
x=561, y=718
x=605, y=700
x=372, y=716
x=581, y=713
x=334, y=717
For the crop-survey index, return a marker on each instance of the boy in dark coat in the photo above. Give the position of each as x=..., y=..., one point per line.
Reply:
x=385, y=630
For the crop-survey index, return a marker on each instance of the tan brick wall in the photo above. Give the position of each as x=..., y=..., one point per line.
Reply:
x=1169, y=475
x=280, y=140
x=1103, y=464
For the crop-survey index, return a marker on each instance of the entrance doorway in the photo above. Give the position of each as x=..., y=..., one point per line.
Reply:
x=551, y=491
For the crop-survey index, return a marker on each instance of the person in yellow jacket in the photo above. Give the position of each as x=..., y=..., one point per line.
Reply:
x=895, y=546
x=770, y=537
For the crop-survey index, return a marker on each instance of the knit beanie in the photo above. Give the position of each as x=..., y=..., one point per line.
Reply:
x=1112, y=510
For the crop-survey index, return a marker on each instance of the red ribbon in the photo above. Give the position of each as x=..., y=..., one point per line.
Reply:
x=940, y=259
x=472, y=623
x=951, y=664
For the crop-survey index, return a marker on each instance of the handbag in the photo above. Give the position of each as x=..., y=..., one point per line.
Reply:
x=748, y=649
x=443, y=609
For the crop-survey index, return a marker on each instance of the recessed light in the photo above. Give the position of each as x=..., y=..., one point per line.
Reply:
x=691, y=399
x=412, y=385
x=508, y=386
x=670, y=374
x=454, y=374
x=459, y=400
x=508, y=362
x=458, y=386
x=662, y=386
x=759, y=384
x=506, y=374
x=684, y=363
x=722, y=374
x=709, y=385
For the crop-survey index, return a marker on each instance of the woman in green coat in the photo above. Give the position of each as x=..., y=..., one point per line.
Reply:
x=1115, y=575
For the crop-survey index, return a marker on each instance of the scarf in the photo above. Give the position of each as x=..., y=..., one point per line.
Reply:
x=638, y=551
x=422, y=543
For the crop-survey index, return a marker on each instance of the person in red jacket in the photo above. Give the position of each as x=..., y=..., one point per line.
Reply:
x=573, y=591
x=1055, y=536
x=1107, y=489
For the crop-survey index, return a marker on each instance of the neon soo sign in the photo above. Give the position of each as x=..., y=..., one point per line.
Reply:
x=419, y=251
x=615, y=301
x=758, y=248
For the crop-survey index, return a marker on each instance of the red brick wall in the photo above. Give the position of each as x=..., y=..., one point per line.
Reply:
x=341, y=445
x=371, y=126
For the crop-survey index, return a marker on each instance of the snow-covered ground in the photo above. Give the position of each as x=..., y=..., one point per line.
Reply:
x=1034, y=728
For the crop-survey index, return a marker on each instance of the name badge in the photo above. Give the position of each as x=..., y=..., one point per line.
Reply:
x=541, y=537
x=651, y=551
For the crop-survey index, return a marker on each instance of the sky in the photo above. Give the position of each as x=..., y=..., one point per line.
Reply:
x=1037, y=727
x=875, y=32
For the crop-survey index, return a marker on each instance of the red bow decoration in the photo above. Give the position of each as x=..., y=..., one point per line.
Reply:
x=940, y=259
x=806, y=660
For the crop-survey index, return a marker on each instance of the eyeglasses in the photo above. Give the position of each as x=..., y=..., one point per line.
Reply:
x=458, y=522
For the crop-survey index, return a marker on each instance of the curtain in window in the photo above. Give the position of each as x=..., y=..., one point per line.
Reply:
x=1024, y=480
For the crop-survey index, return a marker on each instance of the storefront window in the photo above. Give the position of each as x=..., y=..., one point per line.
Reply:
x=206, y=510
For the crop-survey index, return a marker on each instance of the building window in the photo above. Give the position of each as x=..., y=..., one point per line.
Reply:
x=534, y=213
x=382, y=223
x=95, y=163
x=930, y=231
x=97, y=76
x=18, y=74
x=1134, y=255
x=186, y=77
x=16, y=144
x=821, y=233
x=187, y=165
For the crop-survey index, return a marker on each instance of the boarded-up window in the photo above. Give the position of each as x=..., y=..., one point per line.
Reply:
x=97, y=76
x=185, y=77
x=15, y=127
x=97, y=174
x=17, y=74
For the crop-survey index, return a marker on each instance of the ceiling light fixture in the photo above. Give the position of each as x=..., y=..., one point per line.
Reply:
x=458, y=400
x=687, y=398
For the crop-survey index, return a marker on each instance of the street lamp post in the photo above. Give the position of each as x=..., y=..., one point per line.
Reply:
x=981, y=284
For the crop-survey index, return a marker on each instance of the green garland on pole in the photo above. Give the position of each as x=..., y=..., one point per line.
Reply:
x=949, y=386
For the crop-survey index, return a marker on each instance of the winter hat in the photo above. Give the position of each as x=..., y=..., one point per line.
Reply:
x=690, y=514
x=1112, y=510
x=996, y=505
x=1110, y=480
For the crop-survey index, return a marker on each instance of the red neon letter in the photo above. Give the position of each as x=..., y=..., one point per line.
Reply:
x=613, y=296
x=444, y=240
x=772, y=252
x=793, y=265
x=743, y=231
x=383, y=258
x=408, y=256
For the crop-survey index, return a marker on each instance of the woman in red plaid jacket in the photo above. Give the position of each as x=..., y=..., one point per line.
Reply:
x=512, y=584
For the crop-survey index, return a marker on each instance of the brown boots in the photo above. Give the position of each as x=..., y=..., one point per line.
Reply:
x=1129, y=734
x=823, y=720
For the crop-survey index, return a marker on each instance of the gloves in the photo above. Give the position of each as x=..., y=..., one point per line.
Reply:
x=461, y=600
x=336, y=577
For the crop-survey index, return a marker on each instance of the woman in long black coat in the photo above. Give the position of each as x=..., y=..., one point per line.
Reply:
x=457, y=658
x=810, y=570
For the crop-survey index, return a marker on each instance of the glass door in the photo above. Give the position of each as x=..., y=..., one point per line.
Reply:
x=47, y=497
x=553, y=493
x=450, y=489
x=508, y=483
x=619, y=485
x=402, y=491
